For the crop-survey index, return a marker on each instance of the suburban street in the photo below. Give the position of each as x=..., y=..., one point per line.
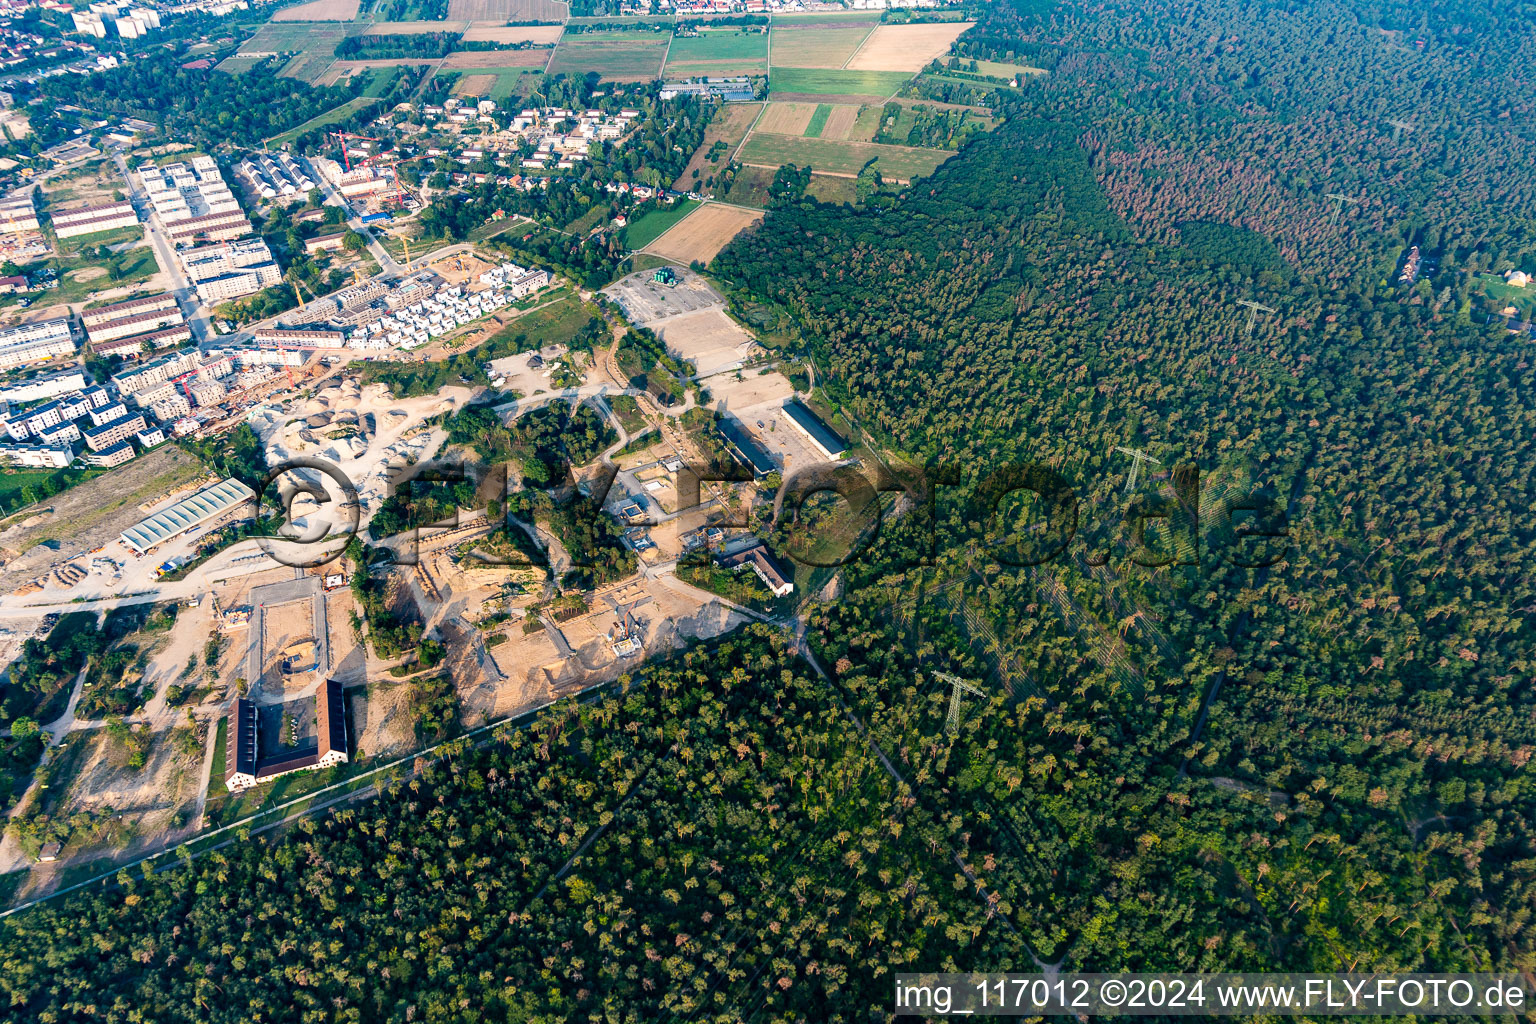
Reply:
x=186, y=295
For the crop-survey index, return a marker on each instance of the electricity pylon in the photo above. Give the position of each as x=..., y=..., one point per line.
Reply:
x=1254, y=309
x=1338, y=204
x=1139, y=457
x=956, y=685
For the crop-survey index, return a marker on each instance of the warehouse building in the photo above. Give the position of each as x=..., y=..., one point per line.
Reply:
x=744, y=448
x=212, y=502
x=821, y=436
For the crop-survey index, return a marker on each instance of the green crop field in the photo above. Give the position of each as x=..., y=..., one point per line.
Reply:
x=816, y=48
x=818, y=120
x=656, y=223
x=514, y=82
x=840, y=157
x=616, y=56
x=822, y=82
x=719, y=53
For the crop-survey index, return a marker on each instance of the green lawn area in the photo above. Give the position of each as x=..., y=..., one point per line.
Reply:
x=79, y=277
x=1502, y=294
x=818, y=121
x=331, y=116
x=719, y=52
x=109, y=238
x=561, y=316
x=587, y=221
x=238, y=65
x=840, y=157
x=824, y=82
x=616, y=56
x=13, y=480
x=655, y=223
x=994, y=69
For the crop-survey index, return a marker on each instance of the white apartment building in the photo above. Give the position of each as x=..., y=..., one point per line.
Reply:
x=41, y=456
x=38, y=388
x=231, y=269
x=28, y=343
x=88, y=220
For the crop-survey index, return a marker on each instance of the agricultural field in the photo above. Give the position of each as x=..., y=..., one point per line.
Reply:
x=786, y=118
x=717, y=52
x=320, y=10
x=238, y=65
x=809, y=47
x=509, y=34
x=850, y=123
x=499, y=60
x=899, y=162
x=656, y=223
x=616, y=56
x=295, y=37
x=308, y=67
x=414, y=28
x=832, y=83
x=474, y=86
x=702, y=234
x=818, y=120
x=721, y=137
x=906, y=47
x=508, y=10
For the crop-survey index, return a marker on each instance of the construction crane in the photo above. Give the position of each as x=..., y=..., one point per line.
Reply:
x=181, y=380
x=956, y=685
x=346, y=158
x=1254, y=309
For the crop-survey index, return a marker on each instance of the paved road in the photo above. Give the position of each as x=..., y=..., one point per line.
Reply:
x=154, y=231
x=387, y=263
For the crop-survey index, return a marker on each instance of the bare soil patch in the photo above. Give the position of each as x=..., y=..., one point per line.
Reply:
x=709, y=339
x=906, y=47
x=94, y=513
x=508, y=10
x=786, y=118
x=496, y=33
x=496, y=59
x=840, y=123
x=703, y=233
x=474, y=85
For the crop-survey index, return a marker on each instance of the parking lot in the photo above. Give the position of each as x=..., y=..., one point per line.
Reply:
x=645, y=300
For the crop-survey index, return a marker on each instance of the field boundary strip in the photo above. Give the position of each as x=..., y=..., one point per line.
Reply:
x=860, y=48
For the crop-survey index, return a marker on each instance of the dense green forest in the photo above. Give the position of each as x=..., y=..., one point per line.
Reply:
x=203, y=107
x=1201, y=748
